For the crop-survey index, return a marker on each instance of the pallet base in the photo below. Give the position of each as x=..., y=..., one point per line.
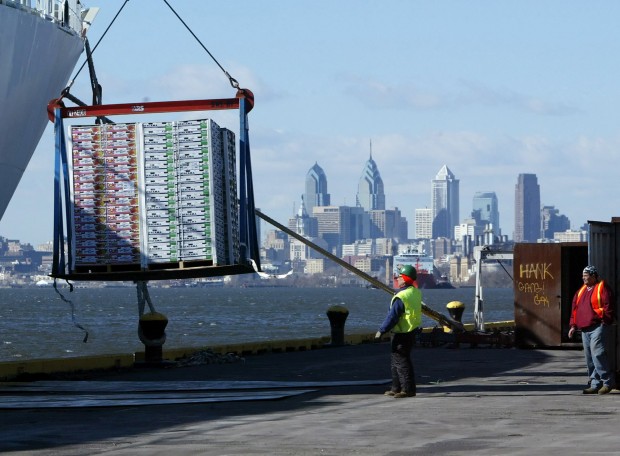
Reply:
x=164, y=271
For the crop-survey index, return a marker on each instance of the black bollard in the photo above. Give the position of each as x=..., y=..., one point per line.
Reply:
x=337, y=316
x=151, y=330
x=455, y=309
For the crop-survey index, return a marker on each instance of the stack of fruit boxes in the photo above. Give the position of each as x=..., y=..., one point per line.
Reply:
x=167, y=194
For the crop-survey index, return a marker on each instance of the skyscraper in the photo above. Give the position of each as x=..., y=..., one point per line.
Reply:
x=316, y=189
x=445, y=203
x=370, y=194
x=388, y=223
x=334, y=226
x=485, y=210
x=423, y=223
x=553, y=222
x=527, y=209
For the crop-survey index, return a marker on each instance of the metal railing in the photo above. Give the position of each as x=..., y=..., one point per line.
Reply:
x=67, y=13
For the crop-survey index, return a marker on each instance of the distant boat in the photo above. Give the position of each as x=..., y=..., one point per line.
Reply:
x=40, y=46
x=421, y=261
x=43, y=283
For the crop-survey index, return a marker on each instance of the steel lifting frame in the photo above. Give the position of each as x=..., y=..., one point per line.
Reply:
x=249, y=248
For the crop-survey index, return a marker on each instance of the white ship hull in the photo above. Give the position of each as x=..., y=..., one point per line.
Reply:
x=37, y=56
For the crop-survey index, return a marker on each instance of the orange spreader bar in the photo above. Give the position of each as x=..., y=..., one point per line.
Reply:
x=150, y=107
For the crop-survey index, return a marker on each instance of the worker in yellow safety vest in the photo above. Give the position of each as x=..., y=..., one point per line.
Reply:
x=404, y=316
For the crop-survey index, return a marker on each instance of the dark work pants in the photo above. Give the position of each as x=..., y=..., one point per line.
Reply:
x=402, y=368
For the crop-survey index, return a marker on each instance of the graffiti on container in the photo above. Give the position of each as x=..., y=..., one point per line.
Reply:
x=537, y=271
x=533, y=276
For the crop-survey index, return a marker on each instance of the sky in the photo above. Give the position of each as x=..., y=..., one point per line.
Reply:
x=492, y=89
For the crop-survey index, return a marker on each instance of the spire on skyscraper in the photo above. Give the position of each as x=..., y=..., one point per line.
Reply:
x=370, y=193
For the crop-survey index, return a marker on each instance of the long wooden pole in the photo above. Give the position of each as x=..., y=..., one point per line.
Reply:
x=442, y=319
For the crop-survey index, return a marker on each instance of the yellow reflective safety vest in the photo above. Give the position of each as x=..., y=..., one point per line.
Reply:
x=412, y=318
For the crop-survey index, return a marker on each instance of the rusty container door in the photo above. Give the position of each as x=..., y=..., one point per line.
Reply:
x=545, y=279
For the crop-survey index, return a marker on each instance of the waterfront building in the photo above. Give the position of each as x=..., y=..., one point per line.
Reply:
x=527, y=209
x=386, y=246
x=388, y=223
x=276, y=247
x=441, y=248
x=571, y=236
x=370, y=195
x=316, y=189
x=298, y=250
x=553, y=222
x=334, y=226
x=466, y=235
x=460, y=267
x=45, y=247
x=445, y=203
x=423, y=223
x=302, y=223
x=362, y=247
x=315, y=266
x=301, y=252
x=485, y=211
x=371, y=247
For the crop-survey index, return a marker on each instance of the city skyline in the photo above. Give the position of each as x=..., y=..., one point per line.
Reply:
x=462, y=83
x=445, y=187
x=317, y=178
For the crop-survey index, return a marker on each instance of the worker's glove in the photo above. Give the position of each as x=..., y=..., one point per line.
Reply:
x=378, y=335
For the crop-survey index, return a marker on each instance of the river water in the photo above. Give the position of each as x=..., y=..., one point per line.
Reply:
x=37, y=323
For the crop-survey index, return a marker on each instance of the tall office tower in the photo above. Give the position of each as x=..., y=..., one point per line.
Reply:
x=388, y=223
x=553, y=222
x=445, y=203
x=485, y=210
x=360, y=224
x=423, y=223
x=316, y=189
x=334, y=226
x=370, y=194
x=527, y=209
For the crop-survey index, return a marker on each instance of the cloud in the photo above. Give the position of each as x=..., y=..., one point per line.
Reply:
x=409, y=163
x=193, y=81
x=381, y=95
x=475, y=93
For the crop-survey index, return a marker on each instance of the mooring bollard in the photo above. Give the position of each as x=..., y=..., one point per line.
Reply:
x=455, y=309
x=151, y=330
x=337, y=316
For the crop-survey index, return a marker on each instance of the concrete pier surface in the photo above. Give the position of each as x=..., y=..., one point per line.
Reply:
x=483, y=401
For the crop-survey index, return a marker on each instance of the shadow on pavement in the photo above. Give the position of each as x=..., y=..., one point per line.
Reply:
x=440, y=373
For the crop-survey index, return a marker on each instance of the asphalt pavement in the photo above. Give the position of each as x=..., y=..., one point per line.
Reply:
x=483, y=401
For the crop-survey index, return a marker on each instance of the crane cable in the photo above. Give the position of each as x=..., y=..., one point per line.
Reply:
x=98, y=42
x=233, y=81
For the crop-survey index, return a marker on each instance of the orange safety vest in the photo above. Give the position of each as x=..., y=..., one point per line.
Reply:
x=595, y=300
